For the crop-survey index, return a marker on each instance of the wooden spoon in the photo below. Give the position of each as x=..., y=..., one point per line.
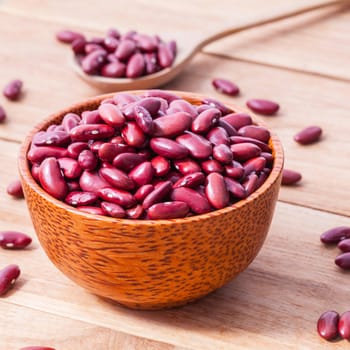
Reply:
x=186, y=52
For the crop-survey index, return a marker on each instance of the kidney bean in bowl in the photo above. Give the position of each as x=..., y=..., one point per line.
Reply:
x=158, y=169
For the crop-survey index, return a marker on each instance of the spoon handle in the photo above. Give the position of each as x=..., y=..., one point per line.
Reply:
x=274, y=18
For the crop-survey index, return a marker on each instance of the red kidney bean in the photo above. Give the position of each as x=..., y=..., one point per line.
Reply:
x=37, y=348
x=206, y=120
x=290, y=177
x=13, y=89
x=79, y=198
x=111, y=115
x=335, y=234
x=91, y=210
x=238, y=120
x=142, y=174
x=231, y=131
x=14, y=240
x=133, y=135
x=51, y=178
x=226, y=87
x=116, y=178
x=190, y=180
x=245, y=151
x=8, y=277
x=182, y=106
x=114, y=69
x=52, y=138
x=108, y=151
x=136, y=66
x=110, y=43
x=168, y=148
x=344, y=245
x=2, y=114
x=91, y=117
x=127, y=161
x=91, y=181
x=241, y=139
x=216, y=191
x=308, y=135
x=68, y=36
x=91, y=132
x=173, y=47
x=198, y=146
x=38, y=154
x=264, y=107
x=108, y=100
x=234, y=170
x=234, y=187
x=255, y=132
x=344, y=325
x=250, y=184
x=135, y=212
x=197, y=203
x=117, y=196
x=218, y=136
x=327, y=325
x=165, y=56
x=186, y=166
x=166, y=95
x=212, y=166
x=35, y=171
x=268, y=157
x=172, y=125
x=125, y=49
x=113, y=210
x=143, y=119
x=93, y=61
x=256, y=164
x=151, y=63
x=151, y=104
x=91, y=47
x=157, y=195
x=143, y=191
x=74, y=149
x=122, y=98
x=146, y=43
x=78, y=46
x=160, y=165
x=223, y=154
x=70, y=167
x=217, y=104
x=70, y=120
x=15, y=189
x=168, y=210
x=343, y=261
x=114, y=33
x=87, y=160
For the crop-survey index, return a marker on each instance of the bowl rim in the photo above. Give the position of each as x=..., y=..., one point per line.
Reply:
x=26, y=176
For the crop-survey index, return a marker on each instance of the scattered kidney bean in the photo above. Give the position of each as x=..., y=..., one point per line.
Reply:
x=344, y=325
x=327, y=325
x=8, y=277
x=13, y=89
x=308, y=135
x=226, y=87
x=343, y=261
x=290, y=177
x=14, y=240
x=68, y=36
x=264, y=107
x=344, y=245
x=335, y=235
x=2, y=114
x=15, y=189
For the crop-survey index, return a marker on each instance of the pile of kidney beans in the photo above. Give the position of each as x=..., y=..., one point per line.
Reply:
x=155, y=156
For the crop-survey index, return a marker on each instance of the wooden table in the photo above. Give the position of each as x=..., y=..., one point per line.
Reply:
x=302, y=63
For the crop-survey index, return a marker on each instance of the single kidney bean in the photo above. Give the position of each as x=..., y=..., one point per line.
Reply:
x=241, y=139
x=190, y=180
x=308, y=135
x=218, y=136
x=343, y=261
x=182, y=106
x=160, y=165
x=91, y=181
x=290, y=177
x=74, y=149
x=70, y=120
x=234, y=170
x=216, y=191
x=91, y=47
x=223, y=154
x=15, y=189
x=168, y=148
x=165, y=56
x=79, y=198
x=151, y=63
x=143, y=191
x=116, y=178
x=264, y=107
x=198, y=146
x=146, y=42
x=78, y=46
x=108, y=100
x=205, y=120
x=91, y=117
x=125, y=49
x=217, y=104
x=234, y=187
x=144, y=119
x=335, y=235
x=113, y=210
x=151, y=104
x=122, y=98
x=2, y=114
x=35, y=171
x=212, y=166
x=226, y=87
x=133, y=135
x=87, y=160
x=327, y=325
x=255, y=132
x=250, y=184
x=344, y=325
x=51, y=178
x=168, y=210
x=172, y=125
x=91, y=132
x=197, y=203
x=14, y=240
x=157, y=195
x=173, y=47
x=8, y=277
x=93, y=62
x=91, y=210
x=166, y=95
x=238, y=120
x=70, y=167
x=108, y=151
x=111, y=115
x=142, y=174
x=136, y=66
x=68, y=36
x=13, y=89
x=344, y=245
x=51, y=138
x=117, y=196
x=186, y=166
x=114, y=70
x=127, y=161
x=110, y=43
x=256, y=164
x=38, y=154
x=269, y=158
x=135, y=212
x=245, y=151
x=37, y=348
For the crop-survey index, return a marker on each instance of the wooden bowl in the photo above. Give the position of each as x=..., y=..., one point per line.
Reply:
x=150, y=264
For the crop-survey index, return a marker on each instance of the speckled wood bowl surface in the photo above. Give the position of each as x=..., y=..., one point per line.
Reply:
x=150, y=264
